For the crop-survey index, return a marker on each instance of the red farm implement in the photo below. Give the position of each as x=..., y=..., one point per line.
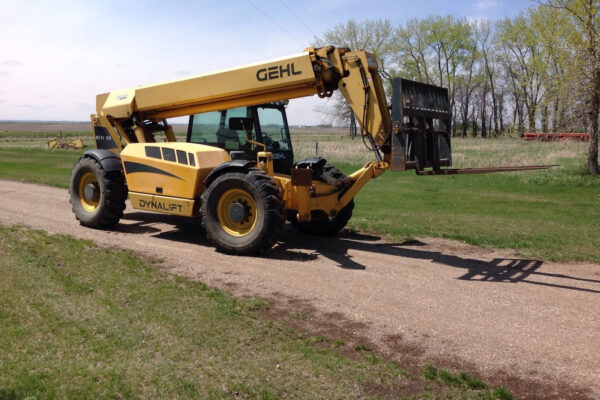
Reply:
x=551, y=137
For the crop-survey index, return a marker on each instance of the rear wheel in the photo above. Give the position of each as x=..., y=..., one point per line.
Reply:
x=242, y=213
x=322, y=171
x=97, y=196
x=321, y=224
x=332, y=176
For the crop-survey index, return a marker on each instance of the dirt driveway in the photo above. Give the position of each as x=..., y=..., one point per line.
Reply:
x=531, y=324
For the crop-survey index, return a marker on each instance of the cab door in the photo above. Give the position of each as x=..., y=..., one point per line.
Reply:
x=273, y=131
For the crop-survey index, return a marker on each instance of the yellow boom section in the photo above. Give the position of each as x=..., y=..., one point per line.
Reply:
x=246, y=85
x=127, y=113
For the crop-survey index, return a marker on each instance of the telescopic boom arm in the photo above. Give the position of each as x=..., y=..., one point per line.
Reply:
x=131, y=115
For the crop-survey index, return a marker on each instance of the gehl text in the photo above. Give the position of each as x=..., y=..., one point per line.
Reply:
x=276, y=72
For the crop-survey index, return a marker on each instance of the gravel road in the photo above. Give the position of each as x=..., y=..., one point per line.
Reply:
x=531, y=324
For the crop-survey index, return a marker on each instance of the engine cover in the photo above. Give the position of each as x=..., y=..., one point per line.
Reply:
x=170, y=169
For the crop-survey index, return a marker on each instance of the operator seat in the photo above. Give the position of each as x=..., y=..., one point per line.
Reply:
x=228, y=139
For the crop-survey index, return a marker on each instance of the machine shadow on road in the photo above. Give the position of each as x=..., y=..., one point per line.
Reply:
x=295, y=246
x=508, y=270
x=188, y=230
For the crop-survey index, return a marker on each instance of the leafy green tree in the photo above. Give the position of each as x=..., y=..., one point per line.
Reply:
x=434, y=50
x=372, y=35
x=467, y=82
x=411, y=54
x=524, y=61
x=485, y=40
x=585, y=41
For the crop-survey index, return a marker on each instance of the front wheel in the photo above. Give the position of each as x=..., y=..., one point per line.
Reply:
x=242, y=212
x=97, y=196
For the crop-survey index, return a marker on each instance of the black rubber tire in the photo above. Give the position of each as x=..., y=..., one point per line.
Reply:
x=324, y=172
x=267, y=198
x=323, y=225
x=331, y=175
x=113, y=193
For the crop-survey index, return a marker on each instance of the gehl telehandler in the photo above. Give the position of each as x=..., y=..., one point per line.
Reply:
x=236, y=171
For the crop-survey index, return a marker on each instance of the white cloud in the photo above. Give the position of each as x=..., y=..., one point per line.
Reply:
x=12, y=63
x=72, y=51
x=487, y=5
x=37, y=107
x=485, y=10
x=474, y=19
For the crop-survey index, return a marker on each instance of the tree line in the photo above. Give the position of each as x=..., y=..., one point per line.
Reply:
x=537, y=71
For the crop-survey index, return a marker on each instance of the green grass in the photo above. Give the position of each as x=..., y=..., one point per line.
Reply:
x=552, y=215
x=78, y=321
x=49, y=167
x=463, y=381
x=362, y=347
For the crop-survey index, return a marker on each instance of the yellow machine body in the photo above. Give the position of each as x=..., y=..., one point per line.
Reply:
x=169, y=177
x=243, y=181
x=121, y=114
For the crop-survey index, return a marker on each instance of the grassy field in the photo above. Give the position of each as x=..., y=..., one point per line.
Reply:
x=49, y=167
x=549, y=221
x=549, y=214
x=80, y=322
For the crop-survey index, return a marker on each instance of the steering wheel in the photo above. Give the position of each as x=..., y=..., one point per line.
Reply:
x=267, y=140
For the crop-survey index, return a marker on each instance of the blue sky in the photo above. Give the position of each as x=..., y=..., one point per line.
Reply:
x=55, y=56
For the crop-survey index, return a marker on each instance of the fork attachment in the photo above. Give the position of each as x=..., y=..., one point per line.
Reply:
x=421, y=121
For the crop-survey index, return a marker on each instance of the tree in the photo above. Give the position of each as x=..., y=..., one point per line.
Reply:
x=484, y=35
x=372, y=35
x=411, y=51
x=552, y=31
x=524, y=62
x=435, y=50
x=450, y=40
x=585, y=16
x=466, y=84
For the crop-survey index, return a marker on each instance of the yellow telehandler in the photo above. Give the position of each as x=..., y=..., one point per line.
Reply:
x=236, y=169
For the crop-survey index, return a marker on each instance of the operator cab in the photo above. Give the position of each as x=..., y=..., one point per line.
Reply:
x=265, y=123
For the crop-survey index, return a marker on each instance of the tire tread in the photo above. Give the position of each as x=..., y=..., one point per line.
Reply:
x=114, y=195
x=274, y=213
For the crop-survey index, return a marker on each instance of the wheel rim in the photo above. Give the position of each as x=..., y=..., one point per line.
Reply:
x=89, y=192
x=231, y=201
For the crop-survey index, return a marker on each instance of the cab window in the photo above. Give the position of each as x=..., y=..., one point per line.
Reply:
x=272, y=128
x=212, y=128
